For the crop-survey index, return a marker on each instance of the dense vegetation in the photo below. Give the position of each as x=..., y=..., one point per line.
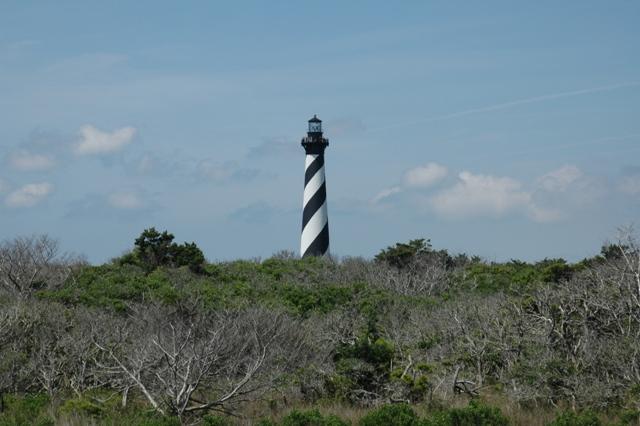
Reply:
x=416, y=336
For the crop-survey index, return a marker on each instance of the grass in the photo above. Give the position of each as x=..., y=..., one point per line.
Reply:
x=39, y=410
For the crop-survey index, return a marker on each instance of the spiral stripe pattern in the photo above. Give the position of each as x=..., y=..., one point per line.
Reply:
x=315, y=222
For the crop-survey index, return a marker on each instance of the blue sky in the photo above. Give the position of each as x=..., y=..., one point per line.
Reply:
x=504, y=129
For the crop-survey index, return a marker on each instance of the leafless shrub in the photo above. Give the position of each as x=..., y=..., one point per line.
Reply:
x=629, y=249
x=18, y=321
x=285, y=255
x=423, y=276
x=190, y=363
x=31, y=263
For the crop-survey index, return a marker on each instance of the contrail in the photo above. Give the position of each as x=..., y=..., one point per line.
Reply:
x=601, y=141
x=511, y=104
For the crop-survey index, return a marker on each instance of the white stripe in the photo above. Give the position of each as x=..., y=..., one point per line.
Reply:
x=312, y=187
x=313, y=228
x=308, y=160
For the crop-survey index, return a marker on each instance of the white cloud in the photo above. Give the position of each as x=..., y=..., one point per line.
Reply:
x=385, y=193
x=28, y=195
x=480, y=195
x=630, y=185
x=551, y=197
x=125, y=200
x=568, y=189
x=96, y=142
x=425, y=176
x=546, y=200
x=416, y=178
x=559, y=180
x=4, y=186
x=27, y=161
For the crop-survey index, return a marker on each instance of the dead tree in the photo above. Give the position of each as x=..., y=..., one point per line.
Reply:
x=31, y=263
x=195, y=363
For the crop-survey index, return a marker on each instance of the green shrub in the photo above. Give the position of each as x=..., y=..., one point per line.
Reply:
x=80, y=413
x=491, y=278
x=145, y=420
x=155, y=249
x=403, y=254
x=391, y=415
x=311, y=418
x=555, y=270
x=629, y=417
x=378, y=352
x=364, y=365
x=570, y=418
x=475, y=414
x=114, y=285
x=212, y=420
x=302, y=300
x=28, y=410
x=81, y=406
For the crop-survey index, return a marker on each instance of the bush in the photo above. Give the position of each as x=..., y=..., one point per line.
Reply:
x=28, y=410
x=155, y=249
x=113, y=285
x=391, y=415
x=81, y=406
x=629, y=417
x=555, y=270
x=146, y=419
x=570, y=418
x=311, y=418
x=475, y=414
x=215, y=421
x=304, y=300
x=361, y=366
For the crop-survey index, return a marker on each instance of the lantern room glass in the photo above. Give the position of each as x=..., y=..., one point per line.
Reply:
x=315, y=127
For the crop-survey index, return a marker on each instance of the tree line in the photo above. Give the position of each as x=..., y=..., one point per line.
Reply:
x=162, y=331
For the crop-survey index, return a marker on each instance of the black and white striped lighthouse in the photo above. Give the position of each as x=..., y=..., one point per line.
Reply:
x=315, y=221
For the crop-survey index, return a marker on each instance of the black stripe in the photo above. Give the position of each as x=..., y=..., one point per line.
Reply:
x=313, y=168
x=314, y=204
x=320, y=245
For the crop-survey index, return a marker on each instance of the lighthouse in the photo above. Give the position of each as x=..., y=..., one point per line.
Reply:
x=315, y=221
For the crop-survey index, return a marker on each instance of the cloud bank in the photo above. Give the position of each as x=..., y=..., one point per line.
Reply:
x=548, y=198
x=481, y=195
